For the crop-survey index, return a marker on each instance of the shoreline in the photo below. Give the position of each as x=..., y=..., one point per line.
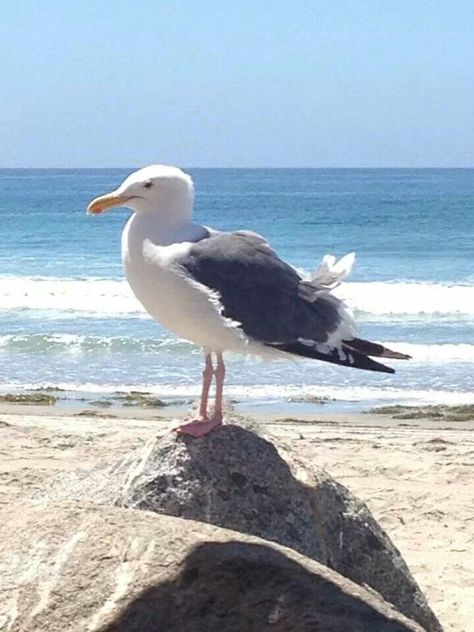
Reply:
x=290, y=400
x=289, y=414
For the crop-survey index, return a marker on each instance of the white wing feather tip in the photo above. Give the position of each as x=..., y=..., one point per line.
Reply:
x=331, y=272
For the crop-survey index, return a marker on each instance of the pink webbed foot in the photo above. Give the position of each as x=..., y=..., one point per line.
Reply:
x=199, y=427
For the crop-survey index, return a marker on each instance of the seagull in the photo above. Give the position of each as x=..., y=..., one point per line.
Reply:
x=228, y=291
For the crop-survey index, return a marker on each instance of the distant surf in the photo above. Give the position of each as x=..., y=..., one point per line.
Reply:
x=113, y=297
x=76, y=344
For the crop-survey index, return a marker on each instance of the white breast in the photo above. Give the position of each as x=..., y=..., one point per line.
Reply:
x=175, y=300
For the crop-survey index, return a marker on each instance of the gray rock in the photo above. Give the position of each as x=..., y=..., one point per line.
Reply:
x=232, y=478
x=236, y=479
x=76, y=567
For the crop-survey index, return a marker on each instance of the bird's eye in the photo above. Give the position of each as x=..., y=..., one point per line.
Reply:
x=148, y=185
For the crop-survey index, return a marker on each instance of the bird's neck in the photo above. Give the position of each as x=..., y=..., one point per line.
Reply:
x=161, y=231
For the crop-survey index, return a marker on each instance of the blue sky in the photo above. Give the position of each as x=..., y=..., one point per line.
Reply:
x=208, y=83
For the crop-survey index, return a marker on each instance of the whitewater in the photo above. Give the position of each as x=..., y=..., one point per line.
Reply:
x=109, y=297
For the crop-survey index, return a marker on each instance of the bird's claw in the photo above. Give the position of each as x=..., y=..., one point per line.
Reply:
x=199, y=427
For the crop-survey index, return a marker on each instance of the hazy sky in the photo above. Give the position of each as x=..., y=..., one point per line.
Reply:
x=238, y=83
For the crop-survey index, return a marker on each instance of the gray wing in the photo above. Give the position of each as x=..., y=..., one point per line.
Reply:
x=274, y=305
x=260, y=291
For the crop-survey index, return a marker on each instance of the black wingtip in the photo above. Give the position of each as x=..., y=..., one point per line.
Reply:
x=375, y=349
x=344, y=356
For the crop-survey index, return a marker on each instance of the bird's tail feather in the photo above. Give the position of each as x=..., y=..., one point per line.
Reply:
x=374, y=349
x=343, y=355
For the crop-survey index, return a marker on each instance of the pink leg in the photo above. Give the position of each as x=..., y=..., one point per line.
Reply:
x=201, y=425
x=207, y=374
x=220, y=377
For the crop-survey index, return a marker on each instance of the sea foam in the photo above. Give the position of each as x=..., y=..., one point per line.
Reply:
x=73, y=343
x=262, y=393
x=106, y=297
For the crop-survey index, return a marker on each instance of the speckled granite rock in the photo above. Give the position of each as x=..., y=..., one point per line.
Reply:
x=76, y=568
x=236, y=479
x=232, y=478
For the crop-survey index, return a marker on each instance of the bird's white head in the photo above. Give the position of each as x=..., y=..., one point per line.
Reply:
x=159, y=189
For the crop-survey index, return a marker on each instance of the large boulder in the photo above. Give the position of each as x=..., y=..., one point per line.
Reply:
x=77, y=567
x=236, y=479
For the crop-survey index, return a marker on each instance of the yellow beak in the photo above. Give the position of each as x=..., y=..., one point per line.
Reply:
x=103, y=202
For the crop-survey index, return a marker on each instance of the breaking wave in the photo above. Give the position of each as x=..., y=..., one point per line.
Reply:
x=73, y=343
x=265, y=393
x=111, y=298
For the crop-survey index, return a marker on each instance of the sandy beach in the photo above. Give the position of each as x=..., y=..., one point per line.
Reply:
x=416, y=476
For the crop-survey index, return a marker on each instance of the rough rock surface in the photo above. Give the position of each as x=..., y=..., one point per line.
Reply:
x=236, y=479
x=77, y=567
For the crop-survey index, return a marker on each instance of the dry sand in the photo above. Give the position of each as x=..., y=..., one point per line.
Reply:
x=417, y=477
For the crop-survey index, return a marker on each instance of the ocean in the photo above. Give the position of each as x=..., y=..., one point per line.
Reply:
x=69, y=321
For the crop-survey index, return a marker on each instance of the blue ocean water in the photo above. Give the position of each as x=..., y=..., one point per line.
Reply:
x=68, y=319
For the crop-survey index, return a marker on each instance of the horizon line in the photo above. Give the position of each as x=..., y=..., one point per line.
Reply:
x=398, y=167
